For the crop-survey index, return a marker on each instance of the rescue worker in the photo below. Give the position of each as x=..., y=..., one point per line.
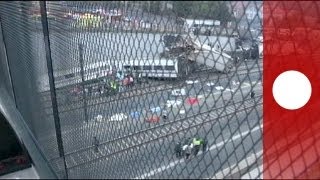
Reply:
x=95, y=21
x=90, y=21
x=86, y=91
x=89, y=90
x=87, y=21
x=189, y=150
x=114, y=85
x=255, y=51
x=120, y=75
x=111, y=86
x=184, y=149
x=95, y=143
x=196, y=143
x=252, y=94
x=218, y=47
x=164, y=114
x=139, y=77
x=178, y=150
x=237, y=59
x=106, y=87
x=100, y=89
x=131, y=80
x=204, y=145
x=147, y=76
x=125, y=81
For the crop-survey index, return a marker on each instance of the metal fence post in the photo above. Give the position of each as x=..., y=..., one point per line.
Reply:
x=83, y=82
x=56, y=117
x=6, y=61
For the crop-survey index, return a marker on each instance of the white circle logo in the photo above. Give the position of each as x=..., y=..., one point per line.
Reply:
x=291, y=90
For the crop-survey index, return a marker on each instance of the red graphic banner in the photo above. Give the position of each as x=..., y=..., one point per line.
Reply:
x=291, y=143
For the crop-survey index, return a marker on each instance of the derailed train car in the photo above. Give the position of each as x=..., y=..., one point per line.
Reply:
x=193, y=51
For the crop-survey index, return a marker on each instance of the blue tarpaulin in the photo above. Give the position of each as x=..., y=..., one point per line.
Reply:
x=135, y=114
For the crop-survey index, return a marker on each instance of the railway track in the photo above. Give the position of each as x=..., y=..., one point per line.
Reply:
x=179, y=126
x=79, y=103
x=45, y=96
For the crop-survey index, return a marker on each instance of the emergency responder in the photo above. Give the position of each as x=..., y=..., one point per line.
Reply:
x=204, y=145
x=89, y=90
x=95, y=143
x=95, y=21
x=255, y=51
x=106, y=86
x=100, y=89
x=237, y=59
x=131, y=80
x=125, y=82
x=90, y=20
x=252, y=94
x=185, y=145
x=164, y=114
x=184, y=148
x=113, y=85
x=147, y=76
x=189, y=150
x=196, y=143
x=139, y=77
x=218, y=47
x=120, y=75
x=178, y=150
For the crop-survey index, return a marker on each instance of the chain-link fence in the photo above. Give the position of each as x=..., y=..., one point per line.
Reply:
x=130, y=89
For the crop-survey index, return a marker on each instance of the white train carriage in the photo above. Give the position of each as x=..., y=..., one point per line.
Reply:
x=73, y=76
x=157, y=68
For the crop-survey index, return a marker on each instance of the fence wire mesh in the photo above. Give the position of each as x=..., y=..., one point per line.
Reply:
x=144, y=89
